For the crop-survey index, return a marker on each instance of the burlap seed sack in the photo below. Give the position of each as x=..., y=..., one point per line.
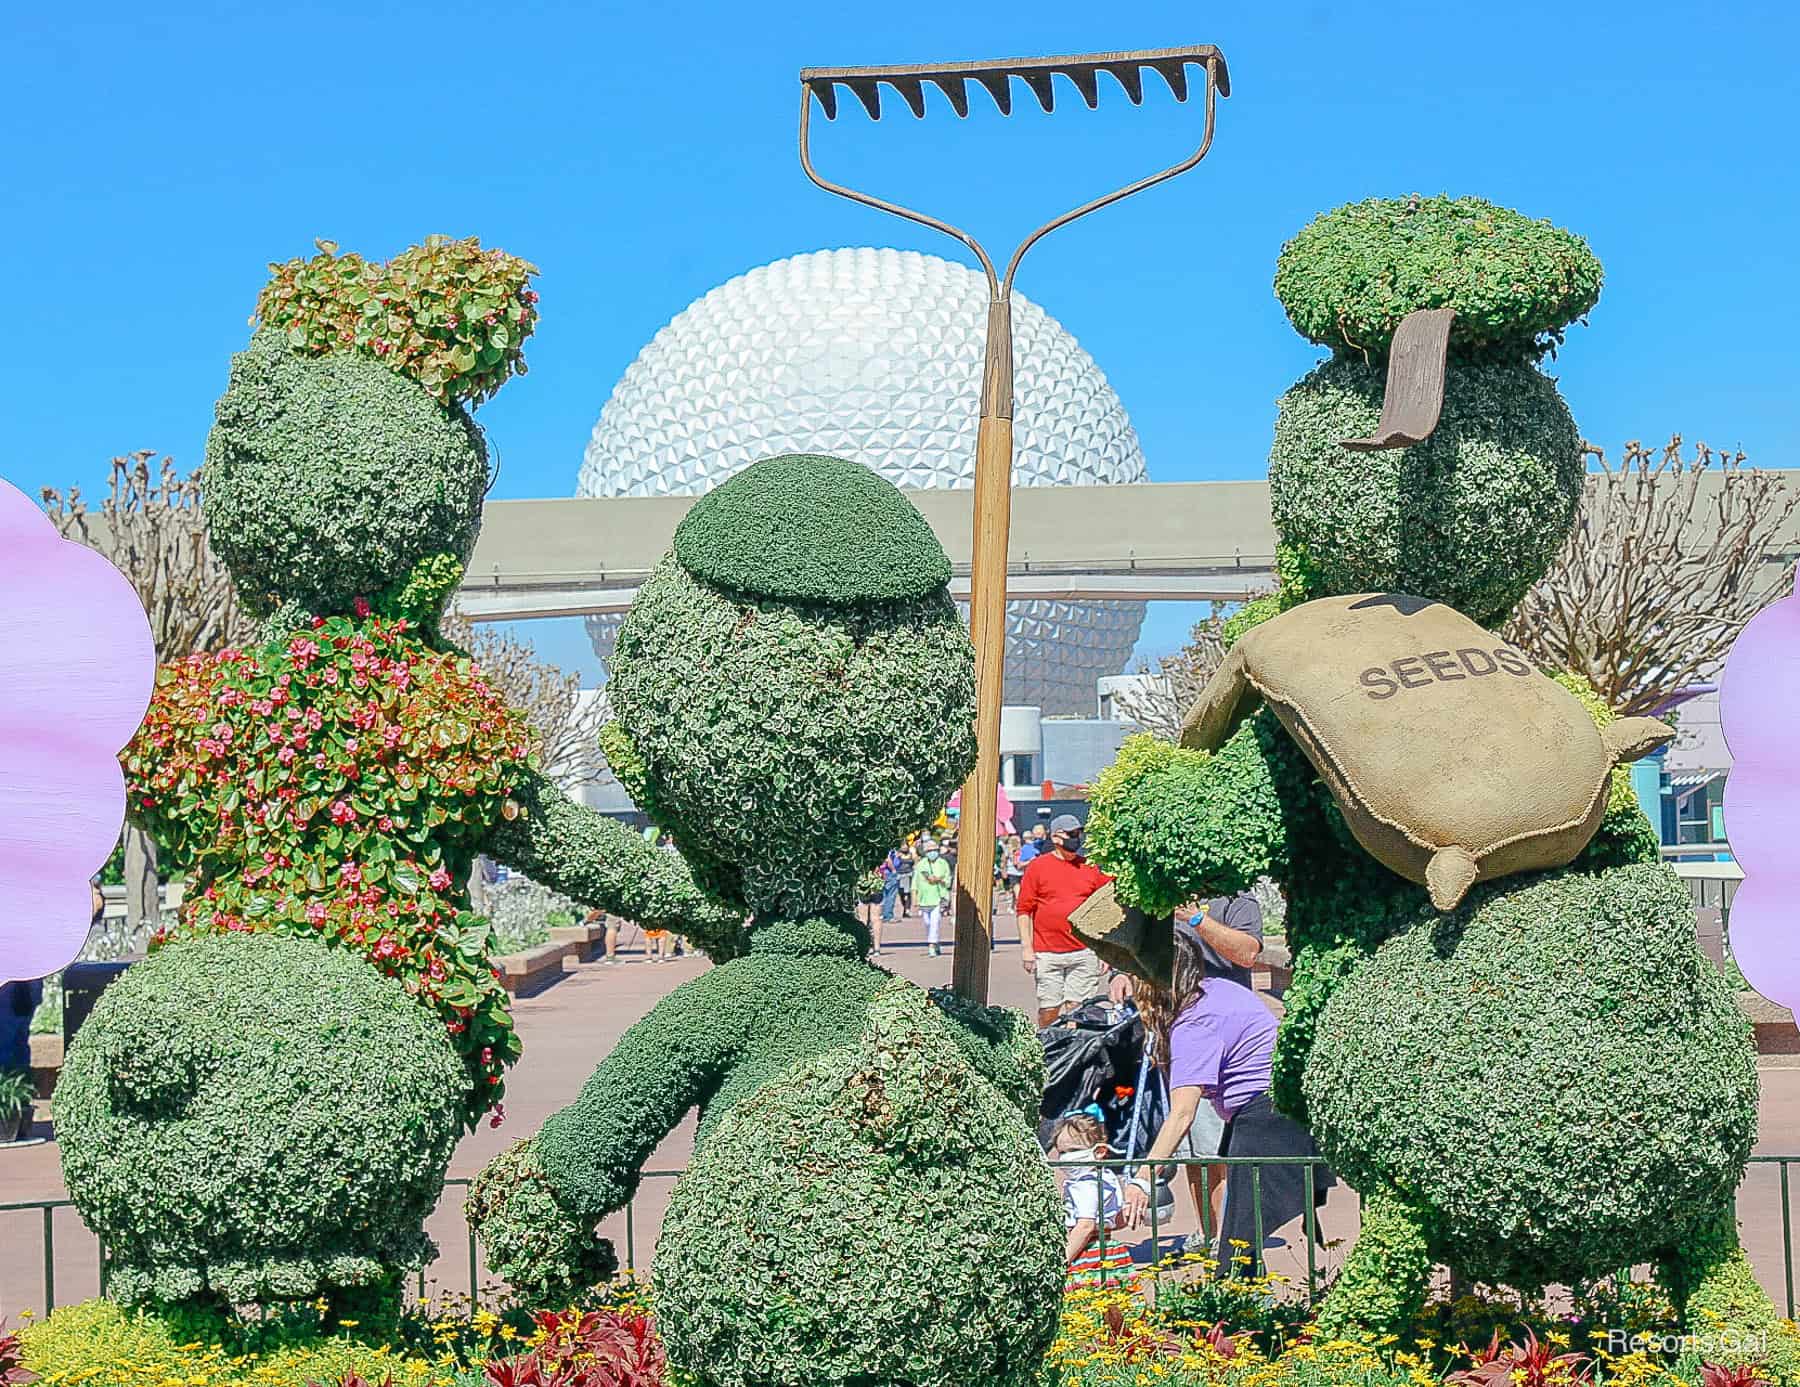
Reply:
x=1453, y=759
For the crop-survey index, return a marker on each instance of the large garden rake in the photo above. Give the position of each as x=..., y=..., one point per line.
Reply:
x=993, y=449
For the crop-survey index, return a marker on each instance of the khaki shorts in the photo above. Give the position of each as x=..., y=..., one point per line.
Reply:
x=1065, y=978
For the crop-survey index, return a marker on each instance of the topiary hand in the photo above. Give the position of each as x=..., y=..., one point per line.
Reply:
x=1172, y=824
x=545, y=1252
x=600, y=862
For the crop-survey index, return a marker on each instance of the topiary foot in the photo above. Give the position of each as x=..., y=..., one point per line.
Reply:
x=1724, y=1308
x=1385, y=1279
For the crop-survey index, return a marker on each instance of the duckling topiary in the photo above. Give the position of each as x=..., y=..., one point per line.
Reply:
x=1545, y=1080
x=867, y=1205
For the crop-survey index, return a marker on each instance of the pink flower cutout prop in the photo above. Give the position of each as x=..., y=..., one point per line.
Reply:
x=1762, y=798
x=76, y=669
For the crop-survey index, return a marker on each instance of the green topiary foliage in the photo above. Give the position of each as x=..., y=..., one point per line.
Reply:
x=710, y=1043
x=786, y=746
x=1472, y=517
x=806, y=528
x=1552, y=1072
x=1383, y=1284
x=334, y=787
x=1351, y=274
x=546, y=1254
x=1551, y=1081
x=328, y=478
x=1715, y=1287
x=909, y=1190
x=786, y=743
x=1165, y=819
x=177, y=1116
x=573, y=850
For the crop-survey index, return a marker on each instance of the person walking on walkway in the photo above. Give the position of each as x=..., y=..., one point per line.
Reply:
x=1213, y=1040
x=931, y=889
x=890, y=888
x=1011, y=869
x=1053, y=888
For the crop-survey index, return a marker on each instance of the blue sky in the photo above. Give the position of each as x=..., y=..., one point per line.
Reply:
x=158, y=156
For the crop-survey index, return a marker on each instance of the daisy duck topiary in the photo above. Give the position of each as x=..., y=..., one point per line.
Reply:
x=264, y=1108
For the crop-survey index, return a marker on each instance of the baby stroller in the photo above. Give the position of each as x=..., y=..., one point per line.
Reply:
x=1097, y=1059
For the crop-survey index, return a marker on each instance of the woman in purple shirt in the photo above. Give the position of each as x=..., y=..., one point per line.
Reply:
x=1213, y=1039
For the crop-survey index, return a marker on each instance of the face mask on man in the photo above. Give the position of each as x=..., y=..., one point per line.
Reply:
x=1071, y=842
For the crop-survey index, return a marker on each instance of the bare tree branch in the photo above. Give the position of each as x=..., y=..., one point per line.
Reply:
x=567, y=723
x=151, y=528
x=1667, y=562
x=1161, y=697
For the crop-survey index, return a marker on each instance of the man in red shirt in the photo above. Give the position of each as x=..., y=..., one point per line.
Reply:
x=1054, y=886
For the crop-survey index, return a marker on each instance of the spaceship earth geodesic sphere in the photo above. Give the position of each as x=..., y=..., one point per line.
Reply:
x=875, y=355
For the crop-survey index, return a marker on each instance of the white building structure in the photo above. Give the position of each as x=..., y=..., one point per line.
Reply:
x=876, y=355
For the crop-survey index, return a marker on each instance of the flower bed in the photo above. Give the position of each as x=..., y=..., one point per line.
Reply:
x=1190, y=1330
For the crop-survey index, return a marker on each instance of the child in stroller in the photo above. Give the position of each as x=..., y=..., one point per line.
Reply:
x=1097, y=1062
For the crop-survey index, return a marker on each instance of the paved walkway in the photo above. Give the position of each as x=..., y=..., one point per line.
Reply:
x=570, y=1027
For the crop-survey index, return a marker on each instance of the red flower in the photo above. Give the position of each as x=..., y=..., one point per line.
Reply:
x=342, y=813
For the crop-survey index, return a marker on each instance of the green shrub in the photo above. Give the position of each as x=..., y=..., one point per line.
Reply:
x=878, y=1214
x=330, y=478
x=447, y=314
x=1172, y=823
x=260, y=1117
x=1472, y=516
x=786, y=747
x=1553, y=1072
x=765, y=533
x=1351, y=274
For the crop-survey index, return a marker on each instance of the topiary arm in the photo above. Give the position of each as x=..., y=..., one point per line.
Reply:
x=1172, y=823
x=593, y=1150
x=1002, y=1043
x=599, y=861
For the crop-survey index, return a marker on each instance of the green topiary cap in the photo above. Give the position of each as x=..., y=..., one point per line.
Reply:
x=806, y=528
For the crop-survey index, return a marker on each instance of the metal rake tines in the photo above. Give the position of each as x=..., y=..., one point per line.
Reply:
x=1039, y=74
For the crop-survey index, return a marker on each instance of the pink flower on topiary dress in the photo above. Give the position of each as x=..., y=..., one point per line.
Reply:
x=1762, y=798
x=76, y=667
